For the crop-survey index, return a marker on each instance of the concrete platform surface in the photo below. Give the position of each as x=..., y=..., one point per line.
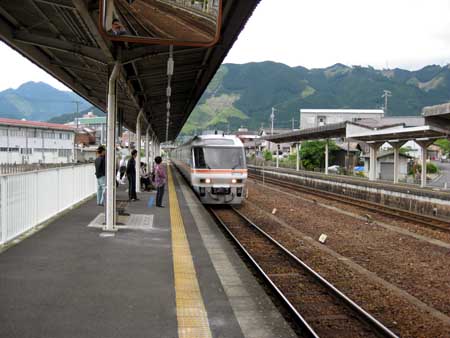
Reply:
x=70, y=280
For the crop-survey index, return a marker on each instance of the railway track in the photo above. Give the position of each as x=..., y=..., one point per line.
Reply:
x=427, y=221
x=136, y=26
x=318, y=307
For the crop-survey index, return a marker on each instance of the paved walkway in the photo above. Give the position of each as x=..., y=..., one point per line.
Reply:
x=69, y=280
x=444, y=176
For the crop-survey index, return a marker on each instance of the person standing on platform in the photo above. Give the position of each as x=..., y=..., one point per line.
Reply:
x=160, y=181
x=100, y=171
x=131, y=174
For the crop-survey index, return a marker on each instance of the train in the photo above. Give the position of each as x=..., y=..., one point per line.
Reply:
x=215, y=167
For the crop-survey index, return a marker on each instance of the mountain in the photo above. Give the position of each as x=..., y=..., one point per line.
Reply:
x=244, y=94
x=38, y=101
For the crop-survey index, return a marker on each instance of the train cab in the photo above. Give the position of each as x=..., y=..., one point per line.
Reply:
x=215, y=166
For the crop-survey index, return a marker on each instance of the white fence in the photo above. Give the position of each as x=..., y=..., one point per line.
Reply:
x=30, y=198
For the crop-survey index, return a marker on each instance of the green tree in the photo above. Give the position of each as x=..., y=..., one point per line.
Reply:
x=444, y=144
x=312, y=153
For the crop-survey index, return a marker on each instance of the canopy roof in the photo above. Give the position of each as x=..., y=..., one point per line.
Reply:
x=62, y=37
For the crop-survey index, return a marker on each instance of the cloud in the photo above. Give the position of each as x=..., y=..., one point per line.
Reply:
x=319, y=33
x=16, y=69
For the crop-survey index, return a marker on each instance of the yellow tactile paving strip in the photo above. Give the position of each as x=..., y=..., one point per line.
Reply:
x=191, y=314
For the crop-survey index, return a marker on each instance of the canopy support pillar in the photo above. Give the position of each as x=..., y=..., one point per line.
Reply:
x=396, y=145
x=110, y=223
x=373, y=160
x=424, y=144
x=138, y=148
x=277, y=155
x=147, y=150
x=326, y=157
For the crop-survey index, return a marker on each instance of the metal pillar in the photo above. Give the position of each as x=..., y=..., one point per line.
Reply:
x=277, y=155
x=147, y=150
x=373, y=161
x=326, y=157
x=396, y=145
x=423, y=159
x=110, y=224
x=424, y=144
x=396, y=163
x=297, y=167
x=138, y=148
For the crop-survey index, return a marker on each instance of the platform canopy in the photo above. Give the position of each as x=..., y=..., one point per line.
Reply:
x=62, y=37
x=395, y=133
x=334, y=130
x=438, y=115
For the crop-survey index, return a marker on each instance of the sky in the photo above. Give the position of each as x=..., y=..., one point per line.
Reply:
x=408, y=34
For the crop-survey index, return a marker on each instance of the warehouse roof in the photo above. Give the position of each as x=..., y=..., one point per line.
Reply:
x=35, y=124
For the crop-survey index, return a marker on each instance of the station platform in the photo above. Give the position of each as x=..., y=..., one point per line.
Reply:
x=428, y=201
x=168, y=272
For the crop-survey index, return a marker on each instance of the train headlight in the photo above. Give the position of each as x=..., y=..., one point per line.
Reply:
x=234, y=181
x=207, y=180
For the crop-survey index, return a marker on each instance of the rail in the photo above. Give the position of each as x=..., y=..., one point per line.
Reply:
x=378, y=328
x=30, y=198
x=417, y=218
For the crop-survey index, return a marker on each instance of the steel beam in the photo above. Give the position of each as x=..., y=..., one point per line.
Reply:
x=93, y=54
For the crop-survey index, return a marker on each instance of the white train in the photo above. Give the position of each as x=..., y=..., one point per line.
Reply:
x=215, y=167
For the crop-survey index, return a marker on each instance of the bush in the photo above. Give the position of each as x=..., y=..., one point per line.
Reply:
x=431, y=168
x=267, y=155
x=360, y=174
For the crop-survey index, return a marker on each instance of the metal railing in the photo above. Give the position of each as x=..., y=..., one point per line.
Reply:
x=30, y=198
x=12, y=168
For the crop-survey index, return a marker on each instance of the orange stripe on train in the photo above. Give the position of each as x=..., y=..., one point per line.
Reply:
x=218, y=171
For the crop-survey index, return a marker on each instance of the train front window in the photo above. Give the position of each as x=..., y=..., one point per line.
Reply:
x=219, y=158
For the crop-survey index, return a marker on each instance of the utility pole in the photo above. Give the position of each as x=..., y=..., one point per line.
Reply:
x=78, y=110
x=272, y=117
x=385, y=95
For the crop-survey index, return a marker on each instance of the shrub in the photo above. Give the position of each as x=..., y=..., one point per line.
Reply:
x=267, y=155
x=431, y=168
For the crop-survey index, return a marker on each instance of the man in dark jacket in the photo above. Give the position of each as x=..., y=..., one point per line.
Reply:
x=100, y=171
x=131, y=174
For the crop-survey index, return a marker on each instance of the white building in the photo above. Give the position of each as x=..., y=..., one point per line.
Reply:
x=35, y=142
x=312, y=118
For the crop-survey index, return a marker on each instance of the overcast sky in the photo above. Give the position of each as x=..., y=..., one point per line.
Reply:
x=317, y=33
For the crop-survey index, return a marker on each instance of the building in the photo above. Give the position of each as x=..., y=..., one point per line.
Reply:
x=35, y=142
x=85, y=137
x=284, y=148
x=313, y=118
x=385, y=166
x=248, y=139
x=92, y=122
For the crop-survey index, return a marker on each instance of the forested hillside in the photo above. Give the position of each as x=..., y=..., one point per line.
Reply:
x=244, y=94
x=38, y=101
